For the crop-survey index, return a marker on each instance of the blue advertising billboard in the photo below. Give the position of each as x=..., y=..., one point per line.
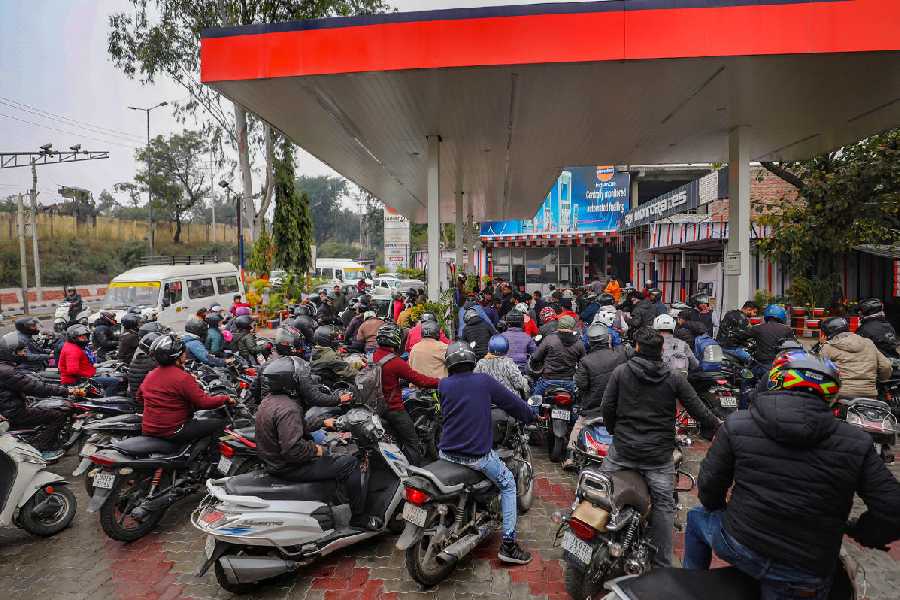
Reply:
x=582, y=200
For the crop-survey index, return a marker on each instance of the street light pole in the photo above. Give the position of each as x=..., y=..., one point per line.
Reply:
x=149, y=192
x=240, y=230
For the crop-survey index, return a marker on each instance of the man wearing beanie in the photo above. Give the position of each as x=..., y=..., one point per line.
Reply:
x=638, y=408
x=559, y=352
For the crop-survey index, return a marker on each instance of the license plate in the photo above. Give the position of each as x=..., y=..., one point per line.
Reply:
x=577, y=548
x=559, y=413
x=88, y=450
x=224, y=465
x=728, y=402
x=104, y=480
x=414, y=514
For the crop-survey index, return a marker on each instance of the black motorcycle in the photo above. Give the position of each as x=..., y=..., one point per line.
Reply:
x=557, y=409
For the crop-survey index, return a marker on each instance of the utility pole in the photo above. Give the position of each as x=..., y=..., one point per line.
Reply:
x=149, y=193
x=23, y=258
x=212, y=194
x=34, y=232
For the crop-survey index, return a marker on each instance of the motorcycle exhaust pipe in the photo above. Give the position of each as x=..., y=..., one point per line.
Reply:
x=462, y=547
x=250, y=569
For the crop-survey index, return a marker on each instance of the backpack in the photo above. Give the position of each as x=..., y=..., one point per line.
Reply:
x=708, y=352
x=675, y=356
x=368, y=385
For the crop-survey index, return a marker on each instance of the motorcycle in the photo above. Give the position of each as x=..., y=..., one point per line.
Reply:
x=450, y=509
x=259, y=527
x=721, y=390
x=592, y=445
x=237, y=452
x=36, y=500
x=141, y=477
x=559, y=414
x=606, y=533
x=424, y=409
x=889, y=390
x=875, y=418
x=62, y=319
x=102, y=433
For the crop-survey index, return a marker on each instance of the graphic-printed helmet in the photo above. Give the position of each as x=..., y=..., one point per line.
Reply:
x=167, y=349
x=605, y=317
x=799, y=371
x=389, y=336
x=431, y=329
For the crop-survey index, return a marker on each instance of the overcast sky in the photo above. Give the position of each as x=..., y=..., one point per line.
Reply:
x=58, y=85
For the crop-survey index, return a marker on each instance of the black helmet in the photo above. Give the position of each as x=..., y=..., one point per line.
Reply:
x=303, y=310
x=698, y=299
x=150, y=327
x=833, y=326
x=244, y=322
x=108, y=316
x=28, y=325
x=735, y=327
x=605, y=299
x=10, y=346
x=431, y=329
x=214, y=319
x=654, y=294
x=471, y=316
x=78, y=331
x=167, y=349
x=147, y=341
x=515, y=318
x=287, y=340
x=459, y=353
x=324, y=336
x=871, y=307
x=388, y=335
x=427, y=316
x=790, y=344
x=598, y=335
x=283, y=375
x=131, y=321
x=197, y=326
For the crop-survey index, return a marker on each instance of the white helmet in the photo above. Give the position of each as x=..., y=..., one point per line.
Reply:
x=521, y=307
x=605, y=317
x=568, y=294
x=664, y=323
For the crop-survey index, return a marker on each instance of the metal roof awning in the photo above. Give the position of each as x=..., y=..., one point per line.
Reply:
x=517, y=92
x=882, y=250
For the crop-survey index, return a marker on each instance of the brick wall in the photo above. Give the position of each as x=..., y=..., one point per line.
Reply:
x=765, y=189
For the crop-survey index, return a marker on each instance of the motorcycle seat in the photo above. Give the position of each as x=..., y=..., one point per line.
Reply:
x=450, y=473
x=267, y=487
x=128, y=418
x=705, y=375
x=629, y=488
x=144, y=445
x=111, y=400
x=689, y=584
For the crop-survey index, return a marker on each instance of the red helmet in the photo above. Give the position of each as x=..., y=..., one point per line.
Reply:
x=799, y=371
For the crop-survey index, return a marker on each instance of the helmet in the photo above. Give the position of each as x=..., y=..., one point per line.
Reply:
x=833, y=326
x=28, y=325
x=303, y=310
x=515, y=318
x=790, y=344
x=242, y=311
x=77, y=331
x=10, y=347
x=799, y=371
x=151, y=327
x=734, y=328
x=654, y=294
x=131, y=321
x=215, y=308
x=471, y=316
x=388, y=335
x=773, y=311
x=197, y=327
x=147, y=341
x=871, y=307
x=568, y=294
x=605, y=299
x=598, y=335
x=698, y=299
x=605, y=317
x=427, y=316
x=287, y=340
x=431, y=329
x=664, y=323
x=459, y=353
x=547, y=314
x=283, y=375
x=214, y=319
x=498, y=345
x=244, y=322
x=521, y=307
x=108, y=316
x=167, y=349
x=324, y=336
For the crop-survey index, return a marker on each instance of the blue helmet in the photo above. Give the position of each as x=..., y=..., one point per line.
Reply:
x=773, y=311
x=498, y=345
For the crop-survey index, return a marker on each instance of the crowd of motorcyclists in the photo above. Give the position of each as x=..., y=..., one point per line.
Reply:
x=624, y=355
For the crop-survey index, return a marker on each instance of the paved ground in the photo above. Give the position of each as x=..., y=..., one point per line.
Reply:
x=81, y=563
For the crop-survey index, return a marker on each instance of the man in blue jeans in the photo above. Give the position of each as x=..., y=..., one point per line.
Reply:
x=793, y=470
x=467, y=436
x=559, y=353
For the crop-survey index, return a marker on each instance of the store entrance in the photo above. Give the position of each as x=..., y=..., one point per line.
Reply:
x=602, y=257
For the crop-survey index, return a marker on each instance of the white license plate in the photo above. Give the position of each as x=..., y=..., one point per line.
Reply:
x=104, y=480
x=414, y=514
x=87, y=450
x=579, y=549
x=728, y=402
x=224, y=465
x=559, y=413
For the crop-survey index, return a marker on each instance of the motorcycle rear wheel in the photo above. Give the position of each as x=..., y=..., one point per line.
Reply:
x=429, y=574
x=127, y=495
x=557, y=449
x=578, y=586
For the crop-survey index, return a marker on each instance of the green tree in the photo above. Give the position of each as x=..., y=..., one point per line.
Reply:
x=262, y=255
x=325, y=194
x=292, y=227
x=847, y=198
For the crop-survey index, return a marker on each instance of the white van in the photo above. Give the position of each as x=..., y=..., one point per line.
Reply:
x=340, y=270
x=175, y=292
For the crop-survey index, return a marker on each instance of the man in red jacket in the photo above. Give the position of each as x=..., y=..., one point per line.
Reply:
x=415, y=334
x=75, y=365
x=393, y=370
x=170, y=396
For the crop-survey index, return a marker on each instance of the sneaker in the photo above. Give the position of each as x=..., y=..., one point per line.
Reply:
x=568, y=465
x=52, y=455
x=513, y=553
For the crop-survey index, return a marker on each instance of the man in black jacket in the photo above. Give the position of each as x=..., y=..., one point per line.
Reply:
x=638, y=410
x=643, y=312
x=35, y=358
x=688, y=328
x=559, y=353
x=793, y=470
x=769, y=336
x=477, y=331
x=142, y=362
x=103, y=338
x=875, y=327
x=130, y=338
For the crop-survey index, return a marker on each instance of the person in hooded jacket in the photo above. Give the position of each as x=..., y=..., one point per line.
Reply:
x=559, y=354
x=244, y=340
x=688, y=328
x=35, y=358
x=141, y=364
x=215, y=341
x=16, y=385
x=477, y=331
x=638, y=408
x=643, y=312
x=675, y=352
x=792, y=470
x=521, y=345
x=103, y=339
x=874, y=326
x=472, y=304
x=194, y=339
x=861, y=365
x=128, y=341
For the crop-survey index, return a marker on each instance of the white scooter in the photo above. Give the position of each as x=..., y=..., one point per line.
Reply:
x=61, y=320
x=260, y=527
x=36, y=500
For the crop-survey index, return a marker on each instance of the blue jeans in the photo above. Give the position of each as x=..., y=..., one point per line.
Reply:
x=704, y=533
x=496, y=470
x=542, y=384
x=112, y=386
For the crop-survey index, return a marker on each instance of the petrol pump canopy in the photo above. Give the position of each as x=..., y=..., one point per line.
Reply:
x=517, y=92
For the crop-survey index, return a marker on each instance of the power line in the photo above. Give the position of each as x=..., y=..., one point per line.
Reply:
x=98, y=128
x=124, y=145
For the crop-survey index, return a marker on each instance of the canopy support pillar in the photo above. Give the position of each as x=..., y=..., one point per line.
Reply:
x=473, y=239
x=737, y=252
x=458, y=236
x=434, y=217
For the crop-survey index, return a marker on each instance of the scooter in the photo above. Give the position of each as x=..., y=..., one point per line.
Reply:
x=61, y=320
x=875, y=418
x=36, y=500
x=260, y=527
